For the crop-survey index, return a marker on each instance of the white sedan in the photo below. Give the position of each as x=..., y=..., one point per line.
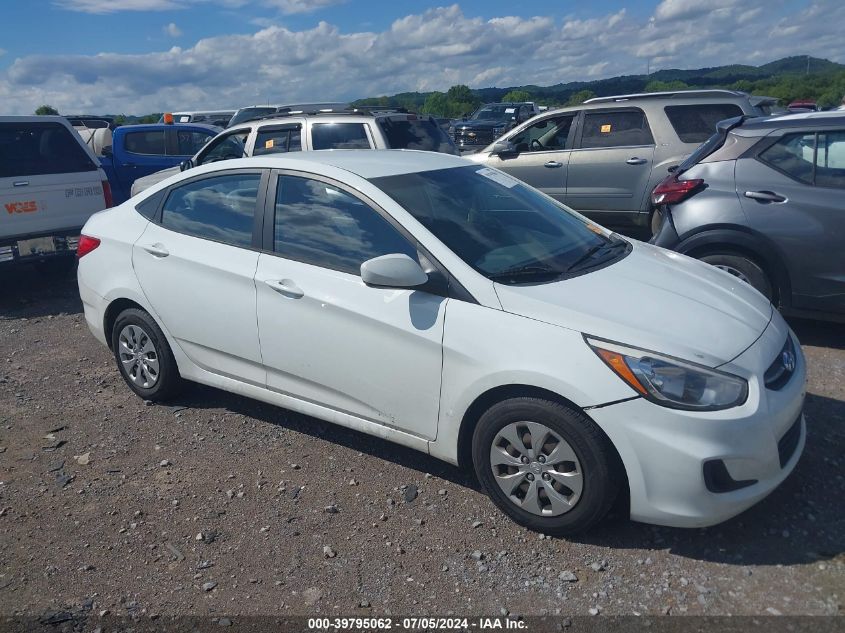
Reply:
x=448, y=307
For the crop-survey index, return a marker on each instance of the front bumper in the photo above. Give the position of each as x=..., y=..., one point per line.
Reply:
x=664, y=451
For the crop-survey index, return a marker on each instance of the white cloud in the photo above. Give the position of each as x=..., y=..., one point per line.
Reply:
x=172, y=30
x=431, y=50
x=287, y=7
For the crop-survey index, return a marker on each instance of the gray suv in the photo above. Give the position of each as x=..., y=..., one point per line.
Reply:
x=605, y=156
x=764, y=199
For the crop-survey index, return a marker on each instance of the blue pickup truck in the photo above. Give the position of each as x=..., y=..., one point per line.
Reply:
x=132, y=151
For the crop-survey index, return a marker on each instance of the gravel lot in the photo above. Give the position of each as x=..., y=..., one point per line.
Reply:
x=222, y=505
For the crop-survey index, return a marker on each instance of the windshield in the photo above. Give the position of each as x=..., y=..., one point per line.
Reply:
x=504, y=229
x=494, y=113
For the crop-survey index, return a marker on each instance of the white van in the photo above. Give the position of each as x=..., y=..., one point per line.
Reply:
x=50, y=184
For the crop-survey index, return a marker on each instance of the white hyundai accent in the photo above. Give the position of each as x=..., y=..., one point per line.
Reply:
x=448, y=307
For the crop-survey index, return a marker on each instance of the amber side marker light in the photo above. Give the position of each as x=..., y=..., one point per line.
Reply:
x=617, y=363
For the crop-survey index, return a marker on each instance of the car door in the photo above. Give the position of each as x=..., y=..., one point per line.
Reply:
x=183, y=142
x=542, y=158
x=196, y=265
x=326, y=337
x=145, y=152
x=610, y=164
x=793, y=192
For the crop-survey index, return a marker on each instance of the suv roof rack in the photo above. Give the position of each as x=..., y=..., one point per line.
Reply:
x=673, y=94
x=369, y=111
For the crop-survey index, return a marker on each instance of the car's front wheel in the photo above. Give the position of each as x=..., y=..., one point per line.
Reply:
x=546, y=465
x=143, y=356
x=745, y=269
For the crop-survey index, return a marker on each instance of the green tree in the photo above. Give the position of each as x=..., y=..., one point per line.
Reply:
x=436, y=103
x=580, y=97
x=665, y=86
x=461, y=101
x=515, y=96
x=45, y=110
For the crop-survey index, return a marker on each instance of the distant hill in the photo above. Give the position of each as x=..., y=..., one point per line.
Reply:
x=786, y=78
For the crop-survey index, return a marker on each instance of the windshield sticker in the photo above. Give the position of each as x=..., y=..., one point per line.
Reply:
x=605, y=129
x=510, y=110
x=184, y=119
x=268, y=144
x=499, y=177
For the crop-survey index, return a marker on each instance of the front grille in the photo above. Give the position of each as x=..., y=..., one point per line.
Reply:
x=789, y=442
x=782, y=368
x=482, y=137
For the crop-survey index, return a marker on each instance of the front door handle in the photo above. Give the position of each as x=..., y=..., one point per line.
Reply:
x=156, y=250
x=20, y=183
x=552, y=164
x=285, y=287
x=636, y=161
x=765, y=196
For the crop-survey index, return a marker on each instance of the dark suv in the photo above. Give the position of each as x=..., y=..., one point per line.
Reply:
x=764, y=200
x=488, y=123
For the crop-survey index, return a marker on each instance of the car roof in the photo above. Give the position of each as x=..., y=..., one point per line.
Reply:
x=366, y=163
x=674, y=95
x=794, y=119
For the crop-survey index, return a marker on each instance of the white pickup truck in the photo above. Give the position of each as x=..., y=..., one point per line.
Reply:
x=50, y=184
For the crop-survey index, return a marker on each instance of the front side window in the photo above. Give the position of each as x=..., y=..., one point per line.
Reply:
x=793, y=154
x=278, y=140
x=319, y=224
x=219, y=208
x=830, y=159
x=36, y=149
x=504, y=229
x=696, y=123
x=231, y=145
x=151, y=143
x=189, y=143
x=339, y=136
x=618, y=128
x=543, y=136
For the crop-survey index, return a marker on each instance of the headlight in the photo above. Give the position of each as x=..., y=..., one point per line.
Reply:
x=451, y=129
x=671, y=382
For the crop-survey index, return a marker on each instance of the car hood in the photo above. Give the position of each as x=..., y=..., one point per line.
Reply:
x=653, y=299
x=145, y=182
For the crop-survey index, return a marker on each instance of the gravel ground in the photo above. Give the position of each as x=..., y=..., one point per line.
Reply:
x=222, y=505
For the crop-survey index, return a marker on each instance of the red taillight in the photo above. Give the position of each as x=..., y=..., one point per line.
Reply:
x=86, y=245
x=107, y=194
x=672, y=190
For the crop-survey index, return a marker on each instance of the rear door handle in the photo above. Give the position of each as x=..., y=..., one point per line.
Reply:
x=552, y=164
x=285, y=287
x=636, y=161
x=20, y=183
x=765, y=196
x=156, y=250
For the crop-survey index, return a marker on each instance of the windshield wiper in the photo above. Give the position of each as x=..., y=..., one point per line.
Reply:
x=531, y=270
x=594, y=250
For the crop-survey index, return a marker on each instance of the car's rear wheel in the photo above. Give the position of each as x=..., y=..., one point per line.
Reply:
x=743, y=268
x=547, y=466
x=143, y=356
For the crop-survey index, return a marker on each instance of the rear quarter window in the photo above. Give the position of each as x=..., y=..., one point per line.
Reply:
x=696, y=123
x=37, y=149
x=421, y=134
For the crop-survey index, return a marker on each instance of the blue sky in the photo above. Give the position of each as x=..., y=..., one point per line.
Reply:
x=138, y=56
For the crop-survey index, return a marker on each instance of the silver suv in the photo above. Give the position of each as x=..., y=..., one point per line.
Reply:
x=605, y=156
x=280, y=133
x=764, y=199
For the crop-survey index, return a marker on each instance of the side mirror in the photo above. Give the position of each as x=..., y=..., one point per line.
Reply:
x=392, y=271
x=673, y=169
x=504, y=149
x=186, y=164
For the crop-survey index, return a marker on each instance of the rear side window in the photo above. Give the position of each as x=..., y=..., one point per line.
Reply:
x=420, y=134
x=616, y=129
x=278, y=140
x=146, y=142
x=219, y=208
x=322, y=225
x=37, y=149
x=189, y=143
x=696, y=123
x=339, y=136
x=793, y=154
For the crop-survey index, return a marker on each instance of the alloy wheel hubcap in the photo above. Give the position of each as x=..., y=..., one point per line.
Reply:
x=733, y=271
x=138, y=356
x=536, y=468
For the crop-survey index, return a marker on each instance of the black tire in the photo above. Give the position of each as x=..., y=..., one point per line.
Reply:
x=743, y=268
x=600, y=466
x=167, y=381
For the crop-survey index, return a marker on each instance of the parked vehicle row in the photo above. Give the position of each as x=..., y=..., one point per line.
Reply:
x=449, y=307
x=488, y=123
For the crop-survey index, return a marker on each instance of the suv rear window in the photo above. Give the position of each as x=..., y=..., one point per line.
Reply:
x=695, y=123
x=339, y=136
x=36, y=149
x=421, y=134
